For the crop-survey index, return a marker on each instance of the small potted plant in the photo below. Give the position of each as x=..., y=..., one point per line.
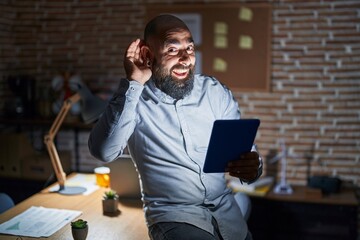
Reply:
x=79, y=229
x=110, y=202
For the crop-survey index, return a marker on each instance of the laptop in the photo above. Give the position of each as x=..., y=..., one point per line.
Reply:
x=124, y=178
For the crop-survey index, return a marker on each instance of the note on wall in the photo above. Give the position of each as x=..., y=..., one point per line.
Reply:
x=245, y=14
x=220, y=28
x=219, y=65
x=245, y=42
x=220, y=41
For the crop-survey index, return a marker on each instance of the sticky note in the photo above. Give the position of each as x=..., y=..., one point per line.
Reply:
x=220, y=41
x=219, y=65
x=245, y=14
x=245, y=42
x=220, y=28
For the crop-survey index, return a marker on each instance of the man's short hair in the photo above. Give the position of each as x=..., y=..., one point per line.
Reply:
x=152, y=26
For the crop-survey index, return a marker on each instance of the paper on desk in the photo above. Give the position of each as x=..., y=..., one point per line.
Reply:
x=87, y=181
x=38, y=222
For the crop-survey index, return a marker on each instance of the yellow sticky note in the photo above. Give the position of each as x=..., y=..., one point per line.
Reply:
x=220, y=41
x=220, y=28
x=245, y=42
x=219, y=65
x=245, y=14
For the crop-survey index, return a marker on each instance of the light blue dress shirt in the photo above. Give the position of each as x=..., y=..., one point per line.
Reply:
x=168, y=140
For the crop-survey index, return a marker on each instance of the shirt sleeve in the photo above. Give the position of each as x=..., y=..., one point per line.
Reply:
x=230, y=106
x=109, y=136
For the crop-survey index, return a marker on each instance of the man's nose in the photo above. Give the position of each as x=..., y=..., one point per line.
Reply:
x=184, y=58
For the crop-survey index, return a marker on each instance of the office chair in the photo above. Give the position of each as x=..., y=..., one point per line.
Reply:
x=5, y=202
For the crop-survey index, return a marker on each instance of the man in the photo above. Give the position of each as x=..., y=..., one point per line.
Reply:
x=164, y=114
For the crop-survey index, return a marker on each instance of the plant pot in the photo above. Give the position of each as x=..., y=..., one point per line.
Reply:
x=110, y=205
x=79, y=233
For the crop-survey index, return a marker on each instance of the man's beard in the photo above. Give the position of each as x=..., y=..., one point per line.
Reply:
x=175, y=88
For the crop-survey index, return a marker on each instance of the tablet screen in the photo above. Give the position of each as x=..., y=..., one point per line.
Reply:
x=229, y=139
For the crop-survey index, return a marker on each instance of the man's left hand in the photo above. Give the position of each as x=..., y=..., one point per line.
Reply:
x=246, y=168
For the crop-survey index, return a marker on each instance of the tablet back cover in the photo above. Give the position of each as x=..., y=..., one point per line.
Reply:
x=229, y=139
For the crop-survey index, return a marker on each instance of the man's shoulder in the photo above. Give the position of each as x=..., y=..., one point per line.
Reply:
x=204, y=77
x=207, y=82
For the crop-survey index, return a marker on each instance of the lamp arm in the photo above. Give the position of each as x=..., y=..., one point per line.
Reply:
x=62, y=114
x=49, y=139
x=55, y=160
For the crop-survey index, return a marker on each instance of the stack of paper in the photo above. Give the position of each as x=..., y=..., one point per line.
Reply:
x=38, y=222
x=260, y=187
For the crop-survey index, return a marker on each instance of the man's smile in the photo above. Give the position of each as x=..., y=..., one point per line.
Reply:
x=181, y=73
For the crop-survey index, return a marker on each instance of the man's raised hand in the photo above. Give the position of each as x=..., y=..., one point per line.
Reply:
x=136, y=67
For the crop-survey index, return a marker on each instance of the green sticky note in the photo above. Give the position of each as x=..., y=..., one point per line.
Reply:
x=245, y=14
x=245, y=42
x=220, y=28
x=220, y=41
x=219, y=65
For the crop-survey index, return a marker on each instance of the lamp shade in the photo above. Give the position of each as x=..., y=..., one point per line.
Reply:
x=92, y=106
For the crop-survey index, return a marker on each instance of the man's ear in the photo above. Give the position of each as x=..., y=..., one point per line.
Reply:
x=146, y=55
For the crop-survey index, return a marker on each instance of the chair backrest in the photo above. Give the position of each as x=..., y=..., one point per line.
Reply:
x=5, y=202
x=124, y=178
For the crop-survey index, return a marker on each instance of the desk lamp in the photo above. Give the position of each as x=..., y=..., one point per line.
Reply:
x=91, y=109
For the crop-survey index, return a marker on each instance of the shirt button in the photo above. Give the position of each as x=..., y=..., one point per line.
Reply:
x=132, y=88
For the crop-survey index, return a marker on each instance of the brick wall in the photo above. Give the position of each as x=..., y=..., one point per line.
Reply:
x=7, y=44
x=314, y=102
x=315, y=90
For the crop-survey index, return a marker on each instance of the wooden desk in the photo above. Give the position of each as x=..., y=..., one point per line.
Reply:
x=301, y=194
x=129, y=224
x=304, y=216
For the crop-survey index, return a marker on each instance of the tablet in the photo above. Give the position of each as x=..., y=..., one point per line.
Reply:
x=229, y=139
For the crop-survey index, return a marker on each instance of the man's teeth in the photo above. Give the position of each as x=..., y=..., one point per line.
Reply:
x=180, y=71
